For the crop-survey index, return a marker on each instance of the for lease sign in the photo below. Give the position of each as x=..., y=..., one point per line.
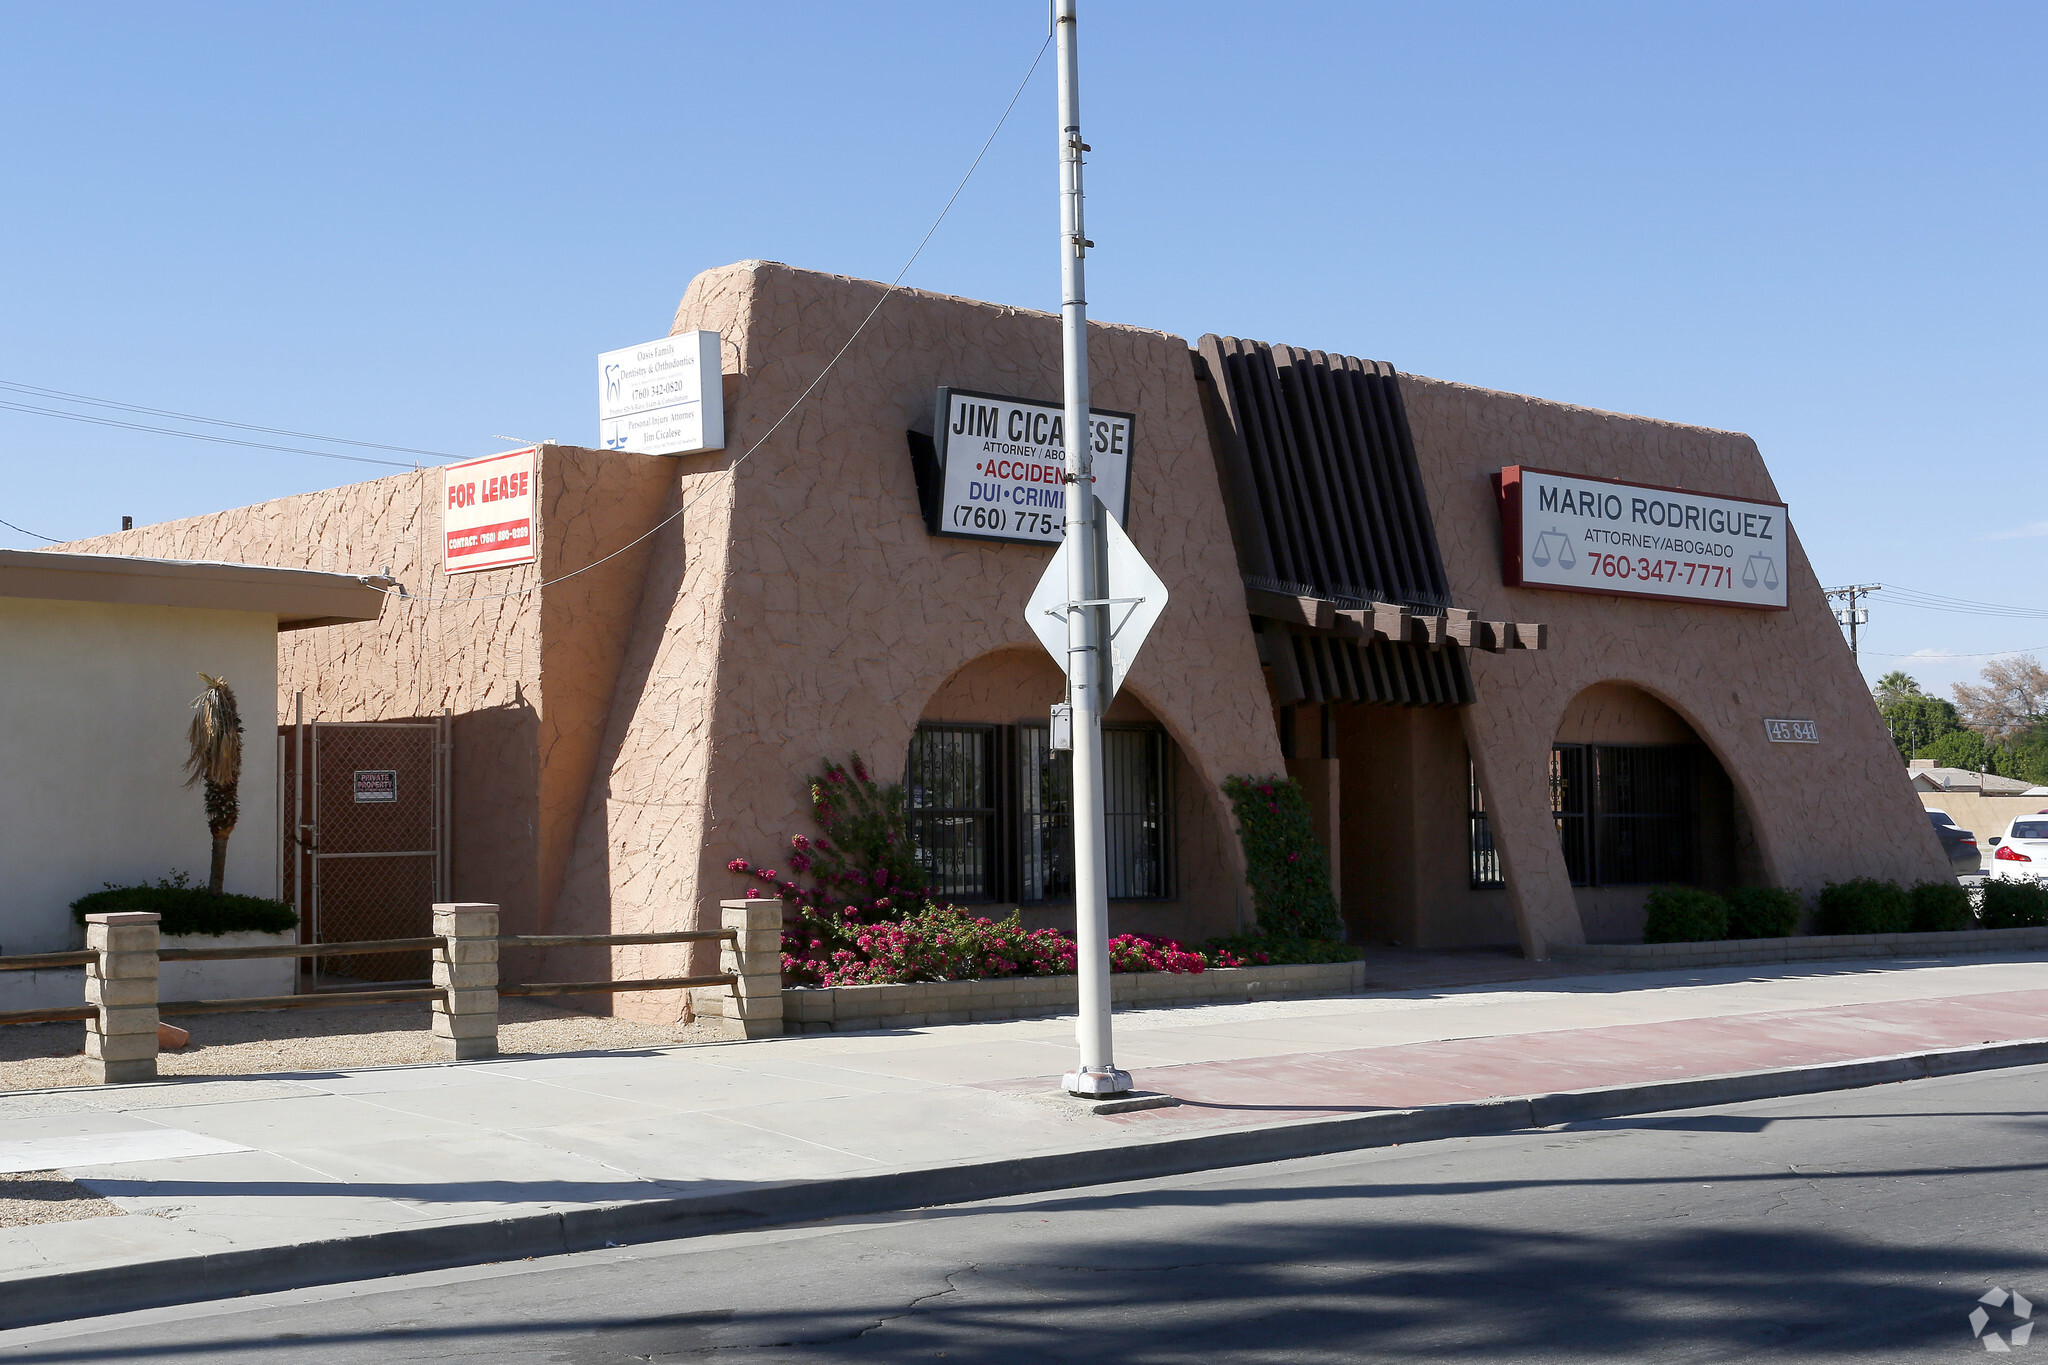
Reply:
x=1003, y=463
x=1638, y=540
x=487, y=512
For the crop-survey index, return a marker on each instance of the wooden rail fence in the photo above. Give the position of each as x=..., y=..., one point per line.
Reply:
x=122, y=953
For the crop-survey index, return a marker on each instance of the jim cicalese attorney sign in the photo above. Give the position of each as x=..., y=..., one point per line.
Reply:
x=1638, y=540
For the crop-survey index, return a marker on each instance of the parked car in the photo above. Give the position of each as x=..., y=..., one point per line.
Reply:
x=1960, y=844
x=2022, y=851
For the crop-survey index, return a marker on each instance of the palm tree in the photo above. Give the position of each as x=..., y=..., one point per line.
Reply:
x=216, y=760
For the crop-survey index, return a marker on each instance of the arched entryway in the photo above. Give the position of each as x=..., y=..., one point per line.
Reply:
x=989, y=805
x=1640, y=801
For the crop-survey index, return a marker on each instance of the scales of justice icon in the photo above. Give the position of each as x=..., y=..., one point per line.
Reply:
x=1768, y=572
x=1553, y=544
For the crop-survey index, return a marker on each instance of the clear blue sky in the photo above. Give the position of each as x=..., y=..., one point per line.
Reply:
x=1818, y=223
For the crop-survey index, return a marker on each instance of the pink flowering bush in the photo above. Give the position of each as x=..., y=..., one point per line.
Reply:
x=855, y=909
x=929, y=943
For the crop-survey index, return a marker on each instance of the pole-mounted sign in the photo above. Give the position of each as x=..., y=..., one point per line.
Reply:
x=1136, y=599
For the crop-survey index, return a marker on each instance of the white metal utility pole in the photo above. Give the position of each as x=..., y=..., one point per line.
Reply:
x=1087, y=665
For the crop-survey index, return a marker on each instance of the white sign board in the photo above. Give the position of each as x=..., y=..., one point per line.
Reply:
x=1003, y=461
x=662, y=397
x=1136, y=599
x=487, y=512
x=1638, y=540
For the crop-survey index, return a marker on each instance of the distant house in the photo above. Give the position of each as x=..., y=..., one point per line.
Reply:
x=1928, y=778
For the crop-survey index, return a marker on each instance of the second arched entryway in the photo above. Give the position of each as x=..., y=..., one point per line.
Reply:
x=1640, y=801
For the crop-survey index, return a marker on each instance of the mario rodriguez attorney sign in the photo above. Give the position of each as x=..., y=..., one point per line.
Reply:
x=487, y=512
x=662, y=397
x=1638, y=540
x=1003, y=464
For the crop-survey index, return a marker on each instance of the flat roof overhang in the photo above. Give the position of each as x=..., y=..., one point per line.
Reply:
x=298, y=598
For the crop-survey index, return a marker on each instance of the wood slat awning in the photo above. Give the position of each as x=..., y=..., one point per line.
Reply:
x=1342, y=571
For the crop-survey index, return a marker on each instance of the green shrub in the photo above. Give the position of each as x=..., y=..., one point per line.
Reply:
x=1288, y=870
x=1265, y=950
x=189, y=909
x=1939, y=907
x=1864, y=905
x=2014, y=904
x=1762, y=912
x=1684, y=914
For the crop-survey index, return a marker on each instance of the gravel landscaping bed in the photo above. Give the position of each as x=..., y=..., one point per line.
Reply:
x=35, y=1056
x=47, y=1197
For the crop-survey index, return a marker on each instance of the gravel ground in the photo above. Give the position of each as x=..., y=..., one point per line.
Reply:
x=47, y=1197
x=35, y=1056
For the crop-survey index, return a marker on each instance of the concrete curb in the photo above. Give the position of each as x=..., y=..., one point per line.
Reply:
x=65, y=1295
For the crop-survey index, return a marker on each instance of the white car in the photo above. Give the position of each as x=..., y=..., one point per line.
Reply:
x=2022, y=851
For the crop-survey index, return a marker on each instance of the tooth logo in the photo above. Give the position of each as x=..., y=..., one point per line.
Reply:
x=2020, y=1332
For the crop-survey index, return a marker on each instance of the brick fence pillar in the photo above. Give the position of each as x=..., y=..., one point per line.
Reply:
x=121, y=1039
x=753, y=1008
x=466, y=971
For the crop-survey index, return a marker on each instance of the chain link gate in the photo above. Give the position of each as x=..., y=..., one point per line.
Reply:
x=366, y=844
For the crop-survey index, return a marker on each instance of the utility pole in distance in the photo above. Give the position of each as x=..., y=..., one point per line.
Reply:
x=1852, y=615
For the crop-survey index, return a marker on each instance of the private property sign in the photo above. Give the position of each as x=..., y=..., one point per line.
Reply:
x=487, y=512
x=1579, y=534
x=1002, y=467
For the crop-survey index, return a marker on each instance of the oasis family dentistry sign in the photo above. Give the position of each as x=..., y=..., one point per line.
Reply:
x=1639, y=540
x=662, y=397
x=1002, y=467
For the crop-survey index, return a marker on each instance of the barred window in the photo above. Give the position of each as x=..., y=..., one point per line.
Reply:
x=1624, y=812
x=1484, y=858
x=991, y=811
x=950, y=799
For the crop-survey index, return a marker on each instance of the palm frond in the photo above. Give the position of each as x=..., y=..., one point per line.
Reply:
x=215, y=736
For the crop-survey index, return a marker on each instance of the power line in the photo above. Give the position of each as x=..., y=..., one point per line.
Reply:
x=1937, y=658
x=41, y=392
x=199, y=435
x=1962, y=606
x=25, y=531
x=887, y=293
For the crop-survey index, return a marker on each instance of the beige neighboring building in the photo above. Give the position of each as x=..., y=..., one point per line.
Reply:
x=1490, y=763
x=1983, y=803
x=100, y=657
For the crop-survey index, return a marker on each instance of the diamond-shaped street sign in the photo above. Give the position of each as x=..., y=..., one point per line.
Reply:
x=1134, y=594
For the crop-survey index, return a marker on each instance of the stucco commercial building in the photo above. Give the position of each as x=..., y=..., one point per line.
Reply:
x=1491, y=761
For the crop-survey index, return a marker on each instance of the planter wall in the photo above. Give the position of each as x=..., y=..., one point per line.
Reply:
x=236, y=980
x=825, y=1009
x=1812, y=948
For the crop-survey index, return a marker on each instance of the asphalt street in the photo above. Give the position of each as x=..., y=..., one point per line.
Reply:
x=1863, y=1225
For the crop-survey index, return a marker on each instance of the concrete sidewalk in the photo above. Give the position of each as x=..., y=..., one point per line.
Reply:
x=297, y=1178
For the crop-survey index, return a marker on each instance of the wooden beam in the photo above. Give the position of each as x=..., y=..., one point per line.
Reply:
x=1312, y=612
